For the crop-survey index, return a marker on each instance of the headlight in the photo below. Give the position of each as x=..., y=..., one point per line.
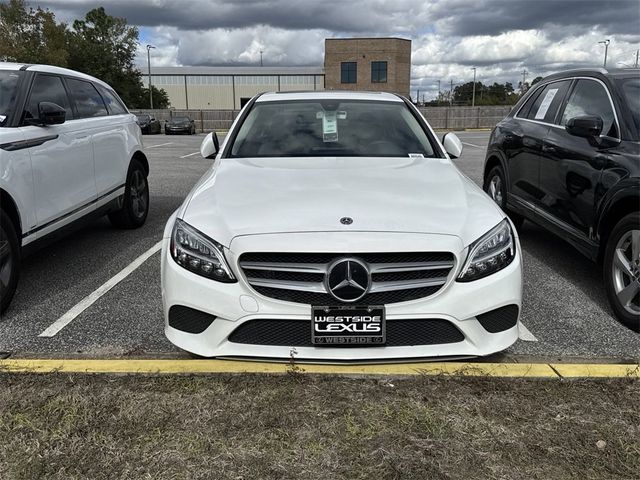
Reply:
x=199, y=254
x=490, y=253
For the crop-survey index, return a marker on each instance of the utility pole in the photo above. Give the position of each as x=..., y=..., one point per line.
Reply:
x=149, y=47
x=524, y=79
x=637, y=55
x=473, y=98
x=438, y=92
x=261, y=52
x=451, y=93
x=606, y=49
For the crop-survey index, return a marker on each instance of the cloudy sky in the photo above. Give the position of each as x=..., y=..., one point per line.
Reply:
x=499, y=37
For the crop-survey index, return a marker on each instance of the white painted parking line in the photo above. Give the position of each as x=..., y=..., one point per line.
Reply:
x=189, y=155
x=525, y=335
x=90, y=299
x=160, y=145
x=471, y=145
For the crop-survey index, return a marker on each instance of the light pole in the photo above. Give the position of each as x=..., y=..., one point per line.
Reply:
x=261, y=51
x=149, y=47
x=438, y=92
x=473, y=98
x=606, y=49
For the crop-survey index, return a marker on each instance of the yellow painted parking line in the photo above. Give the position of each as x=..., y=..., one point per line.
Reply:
x=569, y=370
x=530, y=370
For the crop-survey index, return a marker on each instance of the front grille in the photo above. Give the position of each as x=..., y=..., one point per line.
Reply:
x=300, y=277
x=500, y=319
x=297, y=333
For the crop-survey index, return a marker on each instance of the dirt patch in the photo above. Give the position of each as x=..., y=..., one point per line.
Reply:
x=316, y=427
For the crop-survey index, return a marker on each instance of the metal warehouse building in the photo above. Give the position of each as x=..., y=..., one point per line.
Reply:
x=228, y=88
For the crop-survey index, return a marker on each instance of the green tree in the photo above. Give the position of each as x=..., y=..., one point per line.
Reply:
x=160, y=99
x=105, y=47
x=535, y=80
x=31, y=36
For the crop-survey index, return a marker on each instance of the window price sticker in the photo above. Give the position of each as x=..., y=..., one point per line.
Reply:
x=546, y=103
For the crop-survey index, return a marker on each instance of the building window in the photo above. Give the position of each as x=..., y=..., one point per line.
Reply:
x=348, y=72
x=378, y=72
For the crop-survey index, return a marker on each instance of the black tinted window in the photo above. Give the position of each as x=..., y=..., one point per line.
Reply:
x=546, y=105
x=524, y=111
x=378, y=72
x=590, y=98
x=9, y=81
x=348, y=72
x=88, y=101
x=316, y=128
x=114, y=104
x=631, y=89
x=47, y=88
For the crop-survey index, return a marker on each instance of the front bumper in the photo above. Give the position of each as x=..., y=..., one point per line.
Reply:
x=236, y=303
x=177, y=129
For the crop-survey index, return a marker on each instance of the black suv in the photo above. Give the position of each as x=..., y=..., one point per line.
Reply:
x=567, y=157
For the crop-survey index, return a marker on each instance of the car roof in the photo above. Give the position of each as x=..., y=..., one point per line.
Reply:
x=594, y=72
x=50, y=69
x=329, y=95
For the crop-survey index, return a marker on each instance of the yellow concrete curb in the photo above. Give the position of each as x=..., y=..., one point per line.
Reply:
x=537, y=370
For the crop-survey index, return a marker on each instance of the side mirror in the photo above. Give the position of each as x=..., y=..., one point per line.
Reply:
x=587, y=126
x=51, y=113
x=452, y=144
x=210, y=146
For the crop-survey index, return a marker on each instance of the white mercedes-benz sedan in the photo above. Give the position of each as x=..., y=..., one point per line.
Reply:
x=333, y=226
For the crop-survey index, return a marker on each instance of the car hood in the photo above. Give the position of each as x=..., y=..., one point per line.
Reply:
x=280, y=195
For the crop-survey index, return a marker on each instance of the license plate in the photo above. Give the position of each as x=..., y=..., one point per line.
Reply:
x=351, y=325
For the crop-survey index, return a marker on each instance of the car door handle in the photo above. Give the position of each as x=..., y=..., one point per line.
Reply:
x=549, y=149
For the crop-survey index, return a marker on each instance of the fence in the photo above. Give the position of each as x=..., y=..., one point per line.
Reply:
x=449, y=118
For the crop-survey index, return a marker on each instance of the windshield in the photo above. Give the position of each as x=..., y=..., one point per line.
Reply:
x=143, y=118
x=8, y=91
x=179, y=119
x=631, y=90
x=331, y=128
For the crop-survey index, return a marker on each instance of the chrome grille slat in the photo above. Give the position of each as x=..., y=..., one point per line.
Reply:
x=300, y=277
x=406, y=285
x=288, y=285
x=404, y=267
x=286, y=267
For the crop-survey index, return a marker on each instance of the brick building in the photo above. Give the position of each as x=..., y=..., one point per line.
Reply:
x=378, y=64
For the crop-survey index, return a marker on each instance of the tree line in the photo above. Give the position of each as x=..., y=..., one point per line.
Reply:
x=495, y=94
x=99, y=45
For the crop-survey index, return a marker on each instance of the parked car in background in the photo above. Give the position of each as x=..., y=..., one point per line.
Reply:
x=180, y=125
x=567, y=157
x=334, y=226
x=148, y=124
x=69, y=149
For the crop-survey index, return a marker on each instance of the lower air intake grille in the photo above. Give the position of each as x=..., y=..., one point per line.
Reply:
x=500, y=319
x=189, y=320
x=297, y=333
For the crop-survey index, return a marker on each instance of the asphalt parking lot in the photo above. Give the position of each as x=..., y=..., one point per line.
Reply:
x=565, y=310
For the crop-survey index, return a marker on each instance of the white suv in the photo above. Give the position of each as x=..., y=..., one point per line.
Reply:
x=334, y=226
x=69, y=148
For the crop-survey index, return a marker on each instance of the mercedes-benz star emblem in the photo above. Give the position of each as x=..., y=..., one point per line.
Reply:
x=346, y=220
x=348, y=280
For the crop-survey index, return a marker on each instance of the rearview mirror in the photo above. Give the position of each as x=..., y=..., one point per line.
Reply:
x=210, y=146
x=51, y=113
x=452, y=145
x=587, y=126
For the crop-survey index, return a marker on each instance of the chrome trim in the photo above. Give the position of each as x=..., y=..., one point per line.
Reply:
x=408, y=267
x=288, y=285
x=286, y=267
x=406, y=285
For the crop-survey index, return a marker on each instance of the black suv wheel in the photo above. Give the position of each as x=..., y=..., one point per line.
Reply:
x=9, y=260
x=136, y=199
x=495, y=186
x=622, y=270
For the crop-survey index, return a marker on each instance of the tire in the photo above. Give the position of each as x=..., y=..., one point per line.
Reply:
x=135, y=207
x=495, y=186
x=621, y=270
x=9, y=261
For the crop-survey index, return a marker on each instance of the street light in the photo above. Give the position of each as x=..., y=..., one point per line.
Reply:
x=149, y=47
x=473, y=98
x=606, y=49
